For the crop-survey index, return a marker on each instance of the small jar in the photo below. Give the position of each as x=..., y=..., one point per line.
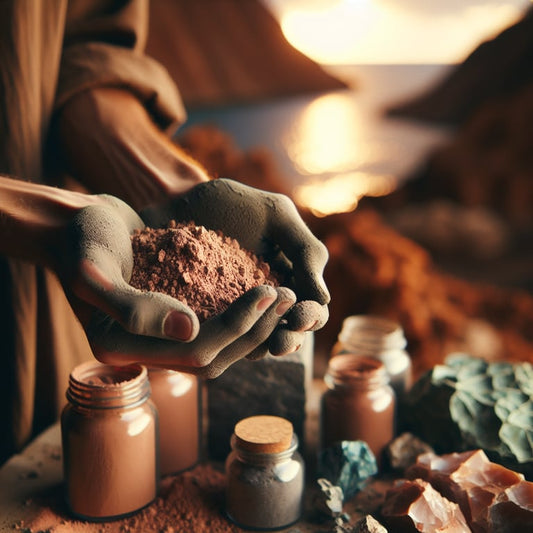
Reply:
x=177, y=398
x=265, y=474
x=381, y=338
x=109, y=436
x=359, y=404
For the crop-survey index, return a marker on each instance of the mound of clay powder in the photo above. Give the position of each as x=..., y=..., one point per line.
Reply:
x=200, y=267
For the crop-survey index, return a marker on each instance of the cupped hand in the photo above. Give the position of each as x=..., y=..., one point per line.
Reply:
x=94, y=261
x=269, y=225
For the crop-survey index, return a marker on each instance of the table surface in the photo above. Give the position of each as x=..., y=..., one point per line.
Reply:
x=37, y=468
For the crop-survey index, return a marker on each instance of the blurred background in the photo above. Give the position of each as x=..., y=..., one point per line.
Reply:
x=403, y=132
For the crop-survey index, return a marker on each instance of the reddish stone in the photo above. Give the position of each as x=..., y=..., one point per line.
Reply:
x=415, y=506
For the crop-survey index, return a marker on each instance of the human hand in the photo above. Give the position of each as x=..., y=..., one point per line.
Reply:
x=94, y=261
x=269, y=225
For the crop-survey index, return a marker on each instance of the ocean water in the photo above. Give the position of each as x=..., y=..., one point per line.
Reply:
x=339, y=144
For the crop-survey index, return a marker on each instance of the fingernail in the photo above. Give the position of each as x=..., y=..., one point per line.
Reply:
x=178, y=326
x=282, y=308
x=310, y=326
x=292, y=350
x=265, y=303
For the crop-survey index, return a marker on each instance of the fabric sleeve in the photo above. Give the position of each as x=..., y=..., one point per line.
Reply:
x=103, y=47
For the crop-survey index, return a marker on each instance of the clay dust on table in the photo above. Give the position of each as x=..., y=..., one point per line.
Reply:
x=190, y=501
x=200, y=267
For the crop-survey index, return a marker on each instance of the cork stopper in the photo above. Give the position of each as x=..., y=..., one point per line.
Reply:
x=264, y=434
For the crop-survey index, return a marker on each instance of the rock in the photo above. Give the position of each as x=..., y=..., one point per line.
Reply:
x=403, y=451
x=329, y=498
x=347, y=464
x=415, y=506
x=487, y=74
x=271, y=386
x=513, y=509
x=485, y=491
x=369, y=524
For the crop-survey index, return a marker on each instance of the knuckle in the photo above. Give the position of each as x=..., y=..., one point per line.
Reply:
x=282, y=201
x=211, y=371
x=238, y=324
x=133, y=320
x=204, y=359
x=322, y=251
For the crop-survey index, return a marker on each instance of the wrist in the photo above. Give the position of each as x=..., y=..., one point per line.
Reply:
x=32, y=217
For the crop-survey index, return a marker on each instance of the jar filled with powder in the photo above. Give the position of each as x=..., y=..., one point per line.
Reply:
x=109, y=436
x=381, y=338
x=265, y=474
x=177, y=398
x=359, y=404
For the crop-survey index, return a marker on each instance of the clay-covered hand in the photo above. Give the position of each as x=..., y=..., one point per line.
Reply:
x=269, y=225
x=94, y=261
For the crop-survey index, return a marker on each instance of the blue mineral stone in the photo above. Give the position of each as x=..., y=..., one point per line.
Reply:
x=347, y=464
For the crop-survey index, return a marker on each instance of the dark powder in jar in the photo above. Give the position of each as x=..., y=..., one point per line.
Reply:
x=200, y=267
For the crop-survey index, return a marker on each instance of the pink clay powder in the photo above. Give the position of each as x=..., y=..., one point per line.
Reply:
x=200, y=267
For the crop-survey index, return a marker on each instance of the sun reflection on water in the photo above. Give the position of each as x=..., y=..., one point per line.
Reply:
x=340, y=147
x=341, y=193
x=327, y=136
x=330, y=141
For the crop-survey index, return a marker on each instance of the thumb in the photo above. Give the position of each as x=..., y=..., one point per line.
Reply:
x=309, y=280
x=150, y=314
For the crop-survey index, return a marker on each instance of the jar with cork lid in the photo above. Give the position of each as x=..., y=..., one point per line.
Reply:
x=109, y=437
x=265, y=474
x=177, y=398
x=381, y=338
x=359, y=403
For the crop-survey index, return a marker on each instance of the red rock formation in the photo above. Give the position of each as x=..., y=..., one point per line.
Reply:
x=486, y=492
x=415, y=506
x=227, y=51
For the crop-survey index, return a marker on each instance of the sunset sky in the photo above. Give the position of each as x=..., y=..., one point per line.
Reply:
x=392, y=32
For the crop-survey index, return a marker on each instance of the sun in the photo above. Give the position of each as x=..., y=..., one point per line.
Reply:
x=335, y=32
x=329, y=32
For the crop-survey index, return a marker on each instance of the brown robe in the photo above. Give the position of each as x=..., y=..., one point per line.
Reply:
x=49, y=51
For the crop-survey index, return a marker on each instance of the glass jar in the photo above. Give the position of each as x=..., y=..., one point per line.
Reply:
x=381, y=338
x=359, y=403
x=265, y=474
x=109, y=436
x=177, y=398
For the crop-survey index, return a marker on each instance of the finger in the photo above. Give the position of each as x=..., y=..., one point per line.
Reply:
x=255, y=339
x=146, y=313
x=284, y=341
x=258, y=353
x=308, y=270
x=307, y=316
x=112, y=342
x=307, y=254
